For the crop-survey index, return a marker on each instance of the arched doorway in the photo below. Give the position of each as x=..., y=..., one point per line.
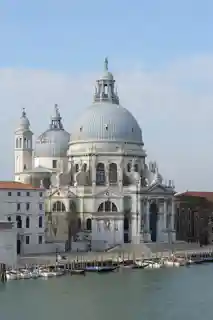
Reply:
x=153, y=221
x=89, y=224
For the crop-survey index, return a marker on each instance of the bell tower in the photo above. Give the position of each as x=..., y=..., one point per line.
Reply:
x=23, y=149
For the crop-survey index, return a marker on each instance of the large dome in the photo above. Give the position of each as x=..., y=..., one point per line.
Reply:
x=54, y=141
x=109, y=122
x=106, y=120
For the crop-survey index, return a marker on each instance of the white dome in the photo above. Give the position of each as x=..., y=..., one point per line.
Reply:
x=54, y=141
x=105, y=121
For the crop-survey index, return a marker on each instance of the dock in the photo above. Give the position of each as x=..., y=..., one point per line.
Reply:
x=124, y=253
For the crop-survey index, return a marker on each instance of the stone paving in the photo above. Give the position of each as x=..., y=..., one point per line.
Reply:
x=128, y=251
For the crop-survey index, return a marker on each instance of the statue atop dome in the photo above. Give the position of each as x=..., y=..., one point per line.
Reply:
x=106, y=62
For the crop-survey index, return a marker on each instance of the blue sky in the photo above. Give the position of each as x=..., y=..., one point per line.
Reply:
x=161, y=52
x=75, y=35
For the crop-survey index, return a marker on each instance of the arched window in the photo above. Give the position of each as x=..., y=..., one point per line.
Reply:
x=27, y=222
x=59, y=206
x=76, y=167
x=113, y=176
x=84, y=167
x=136, y=167
x=20, y=142
x=107, y=206
x=17, y=144
x=89, y=224
x=19, y=222
x=40, y=222
x=100, y=174
x=128, y=167
x=25, y=142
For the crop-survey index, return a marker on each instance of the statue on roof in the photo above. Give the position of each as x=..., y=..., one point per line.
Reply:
x=106, y=64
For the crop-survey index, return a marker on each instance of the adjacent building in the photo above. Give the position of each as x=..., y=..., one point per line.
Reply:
x=100, y=191
x=194, y=217
x=8, y=248
x=22, y=205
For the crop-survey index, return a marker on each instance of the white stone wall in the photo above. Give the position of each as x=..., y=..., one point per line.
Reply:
x=62, y=163
x=108, y=229
x=8, y=254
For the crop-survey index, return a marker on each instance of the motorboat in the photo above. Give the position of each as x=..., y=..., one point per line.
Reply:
x=77, y=271
x=140, y=264
x=25, y=274
x=100, y=269
x=11, y=275
x=57, y=272
x=46, y=273
x=171, y=263
x=153, y=264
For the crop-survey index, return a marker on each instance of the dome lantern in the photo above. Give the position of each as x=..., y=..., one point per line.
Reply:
x=56, y=122
x=105, y=87
x=54, y=141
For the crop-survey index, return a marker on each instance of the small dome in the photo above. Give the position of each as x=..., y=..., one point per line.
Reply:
x=107, y=76
x=24, y=123
x=54, y=141
x=109, y=122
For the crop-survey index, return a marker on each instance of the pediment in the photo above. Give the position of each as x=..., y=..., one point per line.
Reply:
x=62, y=193
x=108, y=193
x=158, y=188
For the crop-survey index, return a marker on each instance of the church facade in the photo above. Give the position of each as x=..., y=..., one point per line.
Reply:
x=100, y=192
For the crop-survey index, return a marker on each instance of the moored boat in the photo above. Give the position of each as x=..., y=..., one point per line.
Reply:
x=11, y=275
x=77, y=271
x=171, y=263
x=153, y=264
x=25, y=274
x=100, y=269
x=45, y=273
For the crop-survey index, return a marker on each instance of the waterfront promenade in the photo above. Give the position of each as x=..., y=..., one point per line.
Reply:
x=127, y=252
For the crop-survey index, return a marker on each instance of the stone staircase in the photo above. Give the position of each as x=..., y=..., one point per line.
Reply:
x=147, y=249
x=177, y=246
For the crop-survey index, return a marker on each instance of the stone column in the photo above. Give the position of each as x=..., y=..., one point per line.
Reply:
x=172, y=221
x=165, y=215
x=93, y=174
x=147, y=222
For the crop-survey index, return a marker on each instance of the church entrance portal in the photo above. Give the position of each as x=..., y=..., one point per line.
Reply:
x=153, y=221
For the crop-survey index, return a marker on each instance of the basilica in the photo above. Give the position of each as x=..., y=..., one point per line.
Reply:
x=99, y=190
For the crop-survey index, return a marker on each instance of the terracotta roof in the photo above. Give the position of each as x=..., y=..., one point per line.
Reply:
x=14, y=185
x=201, y=194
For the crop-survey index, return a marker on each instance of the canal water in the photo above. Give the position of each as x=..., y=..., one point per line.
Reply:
x=163, y=294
